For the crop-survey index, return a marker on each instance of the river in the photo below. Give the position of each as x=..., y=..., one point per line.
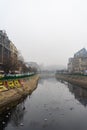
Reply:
x=54, y=105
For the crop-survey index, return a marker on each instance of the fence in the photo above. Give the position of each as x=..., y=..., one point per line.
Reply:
x=13, y=81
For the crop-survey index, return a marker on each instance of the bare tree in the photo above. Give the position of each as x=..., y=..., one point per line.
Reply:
x=10, y=64
x=22, y=66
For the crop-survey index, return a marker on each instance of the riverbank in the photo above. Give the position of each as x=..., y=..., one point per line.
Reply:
x=15, y=94
x=74, y=79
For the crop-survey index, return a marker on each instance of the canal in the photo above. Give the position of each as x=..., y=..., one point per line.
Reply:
x=54, y=105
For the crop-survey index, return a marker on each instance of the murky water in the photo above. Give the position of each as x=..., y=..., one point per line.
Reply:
x=53, y=105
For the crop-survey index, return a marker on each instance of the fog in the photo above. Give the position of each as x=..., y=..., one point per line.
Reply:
x=45, y=31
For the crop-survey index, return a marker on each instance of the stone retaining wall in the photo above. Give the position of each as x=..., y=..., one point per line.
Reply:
x=12, y=95
x=74, y=79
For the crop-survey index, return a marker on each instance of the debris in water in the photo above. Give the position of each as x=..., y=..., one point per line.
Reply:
x=7, y=116
x=45, y=119
x=3, y=122
x=21, y=124
x=9, y=113
x=71, y=108
x=23, y=108
x=8, y=108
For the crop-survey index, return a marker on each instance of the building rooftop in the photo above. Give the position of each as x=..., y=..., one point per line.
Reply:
x=81, y=53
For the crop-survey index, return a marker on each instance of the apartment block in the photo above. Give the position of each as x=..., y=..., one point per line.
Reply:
x=7, y=49
x=78, y=63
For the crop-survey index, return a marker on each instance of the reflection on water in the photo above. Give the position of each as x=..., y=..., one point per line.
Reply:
x=18, y=114
x=15, y=116
x=49, y=79
x=79, y=93
x=54, y=105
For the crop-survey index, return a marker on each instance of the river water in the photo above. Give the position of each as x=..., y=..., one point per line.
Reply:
x=54, y=105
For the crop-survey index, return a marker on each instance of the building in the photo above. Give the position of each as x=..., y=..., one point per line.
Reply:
x=7, y=49
x=70, y=65
x=4, y=47
x=78, y=64
x=79, y=93
x=80, y=54
x=14, y=52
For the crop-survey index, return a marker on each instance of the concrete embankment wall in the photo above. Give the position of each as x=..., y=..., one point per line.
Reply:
x=74, y=79
x=15, y=94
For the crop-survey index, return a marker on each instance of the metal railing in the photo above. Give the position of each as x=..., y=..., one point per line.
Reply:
x=16, y=76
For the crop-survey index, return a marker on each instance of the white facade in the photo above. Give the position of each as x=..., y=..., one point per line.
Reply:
x=78, y=64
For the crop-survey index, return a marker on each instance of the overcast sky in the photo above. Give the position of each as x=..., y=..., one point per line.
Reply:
x=45, y=31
